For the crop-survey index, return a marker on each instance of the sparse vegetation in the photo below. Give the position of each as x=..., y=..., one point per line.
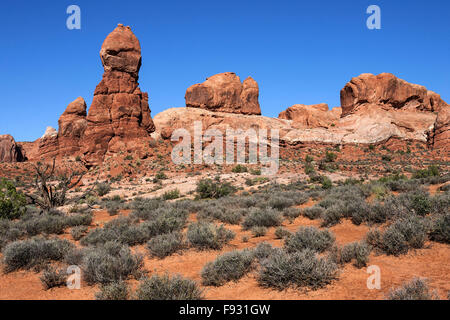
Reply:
x=309, y=238
x=12, y=202
x=165, y=288
x=117, y=290
x=299, y=269
x=165, y=244
x=209, y=189
x=203, y=235
x=416, y=289
x=230, y=266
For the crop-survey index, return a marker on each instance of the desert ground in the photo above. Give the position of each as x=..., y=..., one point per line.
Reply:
x=256, y=210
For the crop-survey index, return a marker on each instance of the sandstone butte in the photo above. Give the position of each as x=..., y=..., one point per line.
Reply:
x=374, y=108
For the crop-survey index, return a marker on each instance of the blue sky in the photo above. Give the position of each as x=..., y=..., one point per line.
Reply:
x=297, y=51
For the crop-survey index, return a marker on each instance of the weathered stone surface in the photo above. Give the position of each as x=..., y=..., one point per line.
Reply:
x=224, y=92
x=388, y=92
x=119, y=117
x=9, y=150
x=48, y=145
x=72, y=125
x=441, y=136
x=311, y=116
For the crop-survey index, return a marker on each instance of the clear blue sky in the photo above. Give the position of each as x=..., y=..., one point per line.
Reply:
x=298, y=51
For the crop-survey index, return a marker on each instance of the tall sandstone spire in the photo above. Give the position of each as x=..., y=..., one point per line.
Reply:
x=119, y=116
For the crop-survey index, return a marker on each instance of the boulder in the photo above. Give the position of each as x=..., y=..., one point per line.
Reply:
x=9, y=150
x=311, y=116
x=224, y=92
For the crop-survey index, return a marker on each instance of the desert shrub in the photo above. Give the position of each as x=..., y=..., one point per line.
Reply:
x=146, y=208
x=46, y=223
x=165, y=288
x=259, y=231
x=416, y=289
x=74, y=257
x=326, y=183
x=309, y=168
x=440, y=229
x=172, y=194
x=126, y=231
x=262, y=251
x=230, y=266
x=166, y=221
x=239, y=169
x=374, y=238
x=9, y=232
x=113, y=207
x=440, y=204
x=160, y=176
x=203, y=235
x=314, y=212
x=102, y=189
x=300, y=269
x=291, y=213
x=121, y=230
x=400, y=236
x=357, y=251
x=280, y=201
x=117, y=290
x=110, y=262
x=330, y=156
x=265, y=217
x=84, y=219
x=221, y=213
x=281, y=233
x=332, y=216
x=165, y=244
x=309, y=238
x=209, y=189
x=51, y=277
x=12, y=202
x=374, y=214
x=33, y=253
x=78, y=232
x=431, y=171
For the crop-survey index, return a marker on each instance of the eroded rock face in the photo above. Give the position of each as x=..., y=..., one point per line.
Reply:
x=224, y=92
x=9, y=150
x=388, y=92
x=119, y=116
x=441, y=137
x=48, y=144
x=311, y=116
x=72, y=125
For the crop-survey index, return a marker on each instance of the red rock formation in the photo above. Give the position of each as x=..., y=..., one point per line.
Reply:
x=9, y=150
x=119, y=116
x=311, y=116
x=406, y=108
x=224, y=92
x=48, y=144
x=441, y=136
x=387, y=91
x=72, y=125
